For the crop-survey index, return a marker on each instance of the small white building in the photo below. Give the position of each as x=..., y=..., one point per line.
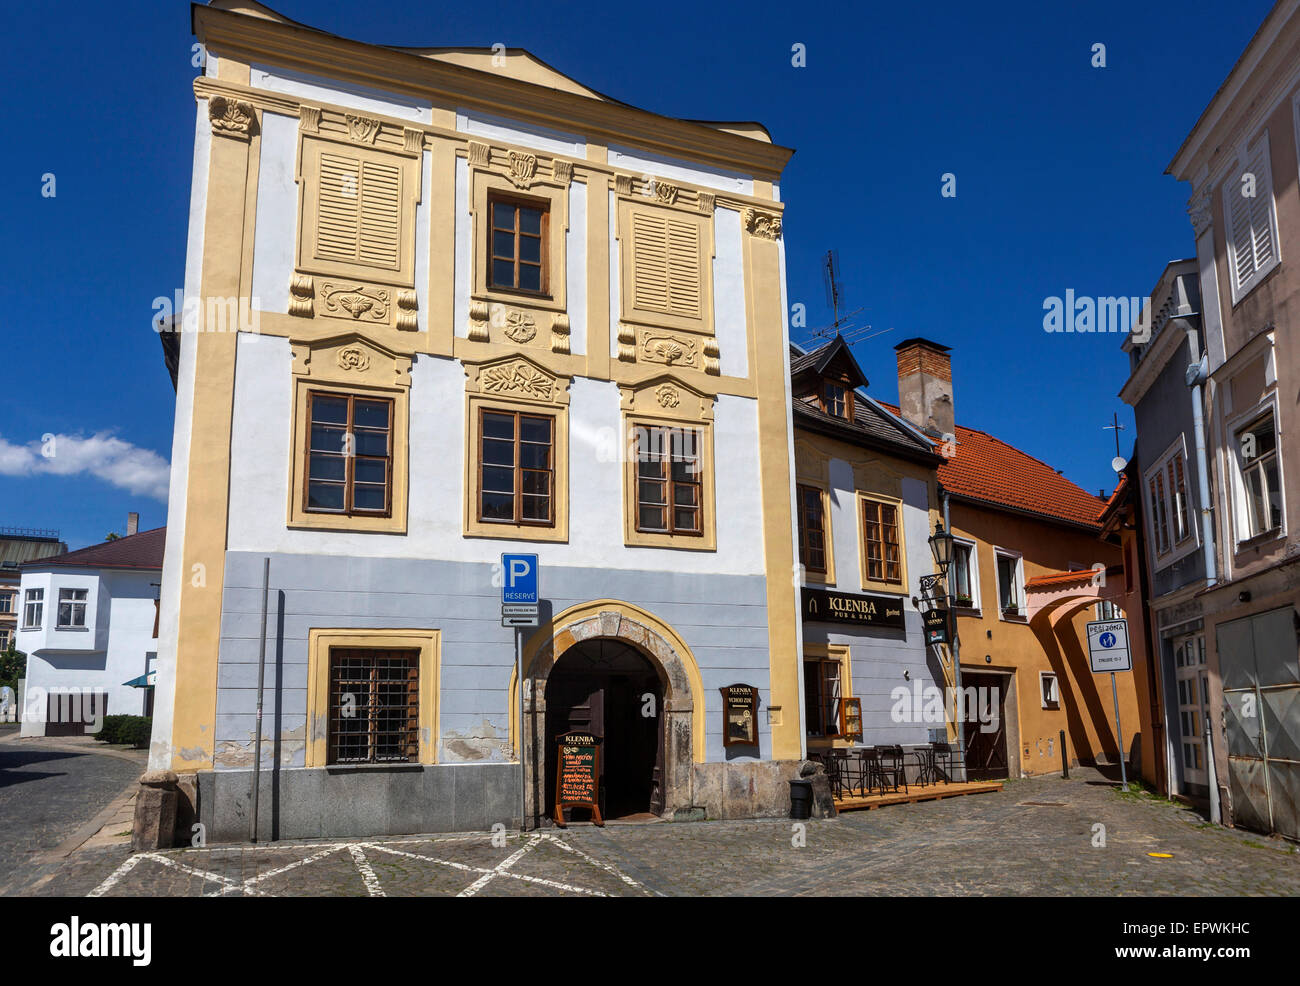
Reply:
x=88, y=623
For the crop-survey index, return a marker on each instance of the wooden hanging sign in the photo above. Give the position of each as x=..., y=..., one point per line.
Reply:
x=740, y=715
x=577, y=775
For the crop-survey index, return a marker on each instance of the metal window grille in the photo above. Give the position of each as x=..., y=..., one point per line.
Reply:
x=374, y=706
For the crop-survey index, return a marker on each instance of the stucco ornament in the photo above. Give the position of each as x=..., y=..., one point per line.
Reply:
x=231, y=117
x=362, y=129
x=356, y=300
x=667, y=395
x=354, y=358
x=520, y=326
x=669, y=350
x=523, y=168
x=663, y=192
x=764, y=224
x=517, y=377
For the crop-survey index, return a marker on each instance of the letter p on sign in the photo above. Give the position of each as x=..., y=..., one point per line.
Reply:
x=521, y=580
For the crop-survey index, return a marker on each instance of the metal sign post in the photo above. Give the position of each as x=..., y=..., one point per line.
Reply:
x=1108, y=652
x=519, y=608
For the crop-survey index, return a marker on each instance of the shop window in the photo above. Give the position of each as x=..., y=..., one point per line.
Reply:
x=812, y=529
x=516, y=468
x=72, y=609
x=33, y=609
x=374, y=706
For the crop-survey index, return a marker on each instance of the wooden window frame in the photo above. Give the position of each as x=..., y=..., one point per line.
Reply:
x=840, y=656
x=517, y=202
x=411, y=657
x=516, y=469
x=824, y=398
x=670, y=484
x=349, y=510
x=884, y=584
x=801, y=489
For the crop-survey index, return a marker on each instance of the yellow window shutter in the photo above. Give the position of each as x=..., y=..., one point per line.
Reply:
x=359, y=216
x=381, y=214
x=667, y=274
x=336, y=222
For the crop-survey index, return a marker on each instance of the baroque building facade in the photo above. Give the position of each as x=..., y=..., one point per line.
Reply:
x=489, y=310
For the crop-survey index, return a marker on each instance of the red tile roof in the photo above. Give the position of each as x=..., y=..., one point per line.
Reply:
x=987, y=469
x=143, y=550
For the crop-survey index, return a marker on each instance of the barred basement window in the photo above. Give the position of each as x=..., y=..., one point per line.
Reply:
x=374, y=706
x=668, y=480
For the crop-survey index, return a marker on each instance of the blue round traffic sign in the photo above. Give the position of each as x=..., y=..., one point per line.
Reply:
x=1107, y=639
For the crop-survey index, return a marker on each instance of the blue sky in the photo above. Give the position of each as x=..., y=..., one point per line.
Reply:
x=1059, y=178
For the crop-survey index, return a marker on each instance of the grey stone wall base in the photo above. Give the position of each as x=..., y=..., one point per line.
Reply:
x=744, y=789
x=350, y=802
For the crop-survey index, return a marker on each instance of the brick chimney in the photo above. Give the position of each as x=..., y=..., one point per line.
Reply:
x=132, y=523
x=925, y=386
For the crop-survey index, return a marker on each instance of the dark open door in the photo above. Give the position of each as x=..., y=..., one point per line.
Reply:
x=986, y=748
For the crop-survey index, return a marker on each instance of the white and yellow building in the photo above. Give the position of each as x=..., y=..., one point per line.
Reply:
x=445, y=304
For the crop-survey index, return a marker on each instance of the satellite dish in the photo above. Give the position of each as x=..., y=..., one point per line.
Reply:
x=1118, y=463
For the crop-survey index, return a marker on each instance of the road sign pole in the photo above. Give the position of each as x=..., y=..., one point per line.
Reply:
x=519, y=687
x=1119, y=733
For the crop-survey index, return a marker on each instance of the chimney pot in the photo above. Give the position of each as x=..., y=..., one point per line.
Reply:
x=132, y=523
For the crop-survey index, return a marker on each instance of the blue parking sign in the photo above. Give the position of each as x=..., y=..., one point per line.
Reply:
x=519, y=583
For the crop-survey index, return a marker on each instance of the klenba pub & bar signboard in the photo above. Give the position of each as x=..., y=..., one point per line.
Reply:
x=825, y=606
x=577, y=775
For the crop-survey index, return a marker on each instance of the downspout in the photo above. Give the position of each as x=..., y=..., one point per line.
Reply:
x=956, y=651
x=1196, y=375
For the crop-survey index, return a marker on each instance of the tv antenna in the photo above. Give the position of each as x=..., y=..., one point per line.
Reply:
x=842, y=323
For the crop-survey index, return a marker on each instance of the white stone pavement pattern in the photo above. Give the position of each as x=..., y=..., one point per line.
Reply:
x=1036, y=837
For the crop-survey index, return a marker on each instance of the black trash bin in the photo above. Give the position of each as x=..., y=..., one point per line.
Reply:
x=800, y=799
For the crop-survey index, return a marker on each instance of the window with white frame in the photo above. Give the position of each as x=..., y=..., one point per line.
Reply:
x=1250, y=220
x=1050, y=690
x=1170, y=503
x=1256, y=448
x=1011, y=586
x=7, y=601
x=963, y=578
x=72, y=608
x=33, y=608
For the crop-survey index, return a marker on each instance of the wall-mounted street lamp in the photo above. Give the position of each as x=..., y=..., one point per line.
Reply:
x=932, y=586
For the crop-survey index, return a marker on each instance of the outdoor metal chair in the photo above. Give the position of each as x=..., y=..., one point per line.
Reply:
x=891, y=767
x=946, y=758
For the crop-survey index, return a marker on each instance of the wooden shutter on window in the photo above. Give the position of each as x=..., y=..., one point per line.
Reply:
x=667, y=274
x=359, y=213
x=1250, y=219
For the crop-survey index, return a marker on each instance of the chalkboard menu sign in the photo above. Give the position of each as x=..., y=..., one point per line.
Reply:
x=577, y=775
x=739, y=715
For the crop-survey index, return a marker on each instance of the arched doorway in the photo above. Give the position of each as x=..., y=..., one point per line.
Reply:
x=608, y=687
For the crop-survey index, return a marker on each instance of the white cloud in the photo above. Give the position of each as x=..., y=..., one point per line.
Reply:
x=137, y=470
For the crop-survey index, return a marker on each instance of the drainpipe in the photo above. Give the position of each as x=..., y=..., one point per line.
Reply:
x=1196, y=375
x=956, y=652
x=261, y=674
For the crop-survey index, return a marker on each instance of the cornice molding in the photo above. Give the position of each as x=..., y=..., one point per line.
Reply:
x=257, y=41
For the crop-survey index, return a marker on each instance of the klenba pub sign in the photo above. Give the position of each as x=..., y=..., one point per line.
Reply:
x=825, y=606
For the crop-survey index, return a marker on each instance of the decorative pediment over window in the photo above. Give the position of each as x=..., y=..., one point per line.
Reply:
x=517, y=378
x=351, y=359
x=666, y=397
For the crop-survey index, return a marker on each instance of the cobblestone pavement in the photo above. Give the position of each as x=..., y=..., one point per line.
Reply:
x=987, y=844
x=48, y=792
